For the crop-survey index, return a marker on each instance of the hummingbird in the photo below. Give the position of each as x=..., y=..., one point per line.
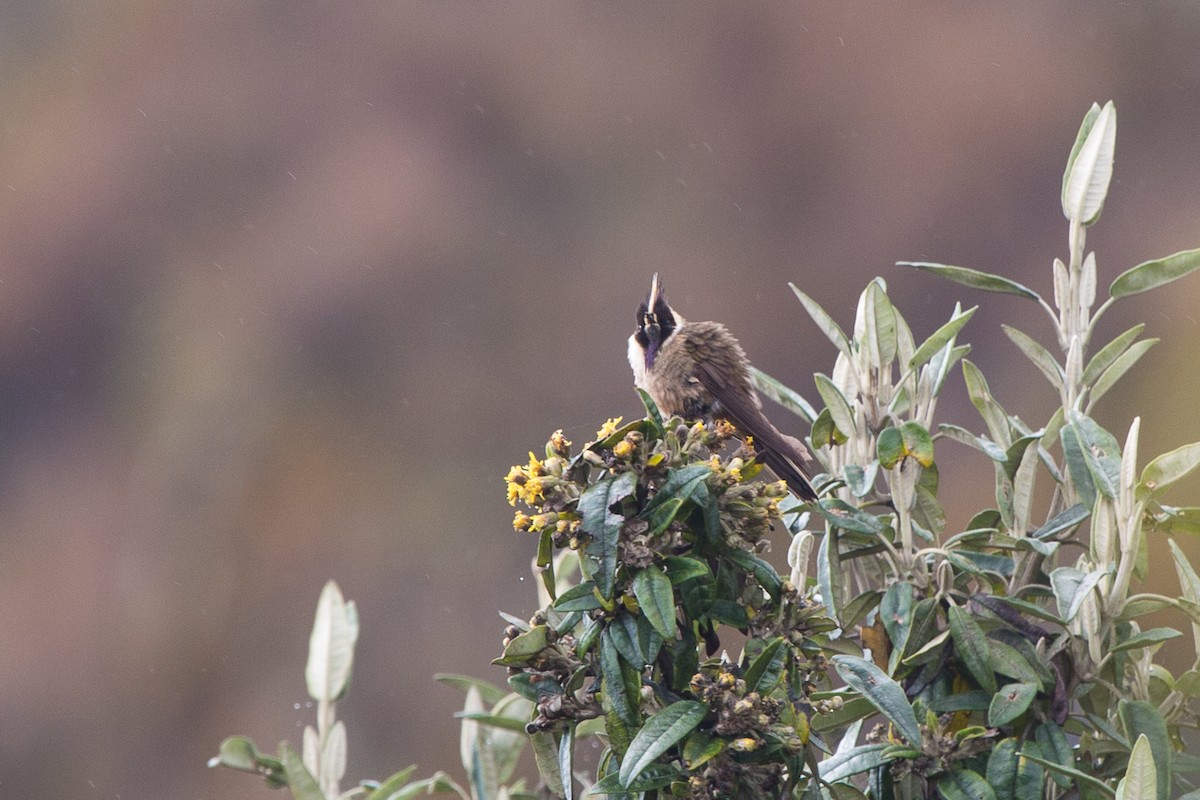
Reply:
x=697, y=370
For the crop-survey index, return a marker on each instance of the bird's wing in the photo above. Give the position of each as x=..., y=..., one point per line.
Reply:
x=787, y=456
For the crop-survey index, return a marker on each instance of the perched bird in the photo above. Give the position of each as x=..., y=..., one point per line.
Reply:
x=697, y=370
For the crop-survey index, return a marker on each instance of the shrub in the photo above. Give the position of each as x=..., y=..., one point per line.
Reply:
x=905, y=657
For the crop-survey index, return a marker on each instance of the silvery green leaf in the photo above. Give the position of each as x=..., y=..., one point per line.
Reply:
x=1090, y=168
x=823, y=320
x=1117, y=368
x=1087, y=281
x=1039, y=355
x=331, y=645
x=981, y=397
x=783, y=395
x=1168, y=468
x=974, y=278
x=1062, y=283
x=836, y=402
x=941, y=337
x=1151, y=274
x=300, y=781
x=1109, y=353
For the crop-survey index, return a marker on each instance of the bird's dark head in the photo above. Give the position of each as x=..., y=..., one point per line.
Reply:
x=656, y=322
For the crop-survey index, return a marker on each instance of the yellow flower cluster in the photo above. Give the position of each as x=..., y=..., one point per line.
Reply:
x=609, y=428
x=525, y=483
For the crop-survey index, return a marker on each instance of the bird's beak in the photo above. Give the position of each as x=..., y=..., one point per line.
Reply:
x=655, y=291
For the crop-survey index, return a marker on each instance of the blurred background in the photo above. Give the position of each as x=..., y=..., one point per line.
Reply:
x=286, y=287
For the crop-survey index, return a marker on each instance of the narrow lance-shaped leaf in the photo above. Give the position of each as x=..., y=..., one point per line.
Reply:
x=783, y=395
x=1121, y=364
x=300, y=781
x=981, y=397
x=604, y=526
x=1150, y=274
x=836, y=402
x=883, y=692
x=1108, y=354
x=653, y=591
x=941, y=337
x=884, y=319
x=973, y=278
x=1090, y=168
x=659, y=734
x=972, y=647
x=1039, y=355
x=825, y=322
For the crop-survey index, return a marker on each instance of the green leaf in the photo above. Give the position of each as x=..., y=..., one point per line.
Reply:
x=1039, y=355
x=963, y=784
x=1062, y=521
x=1002, y=768
x=1071, y=588
x=566, y=758
x=847, y=517
x=621, y=713
x=845, y=763
x=1097, y=452
x=488, y=692
x=764, y=671
x=652, y=588
x=524, y=647
x=1119, y=367
x=1141, y=775
x=783, y=395
x=300, y=781
x=972, y=647
x=911, y=439
x=1073, y=774
x=1090, y=166
x=1151, y=274
x=881, y=316
x=1108, y=354
x=681, y=569
x=658, y=735
x=1055, y=747
x=700, y=748
x=896, y=613
x=684, y=483
x=883, y=692
x=825, y=322
x=604, y=526
x=652, y=413
x=392, y=786
x=836, y=403
x=973, y=278
x=1008, y=660
x=981, y=397
x=1010, y=702
x=1143, y=722
x=940, y=338
x=545, y=755
x=581, y=597
x=1146, y=638
x=762, y=570
x=635, y=639
x=331, y=645
x=1168, y=468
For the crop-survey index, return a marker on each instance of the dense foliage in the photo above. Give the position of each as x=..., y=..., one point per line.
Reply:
x=901, y=657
